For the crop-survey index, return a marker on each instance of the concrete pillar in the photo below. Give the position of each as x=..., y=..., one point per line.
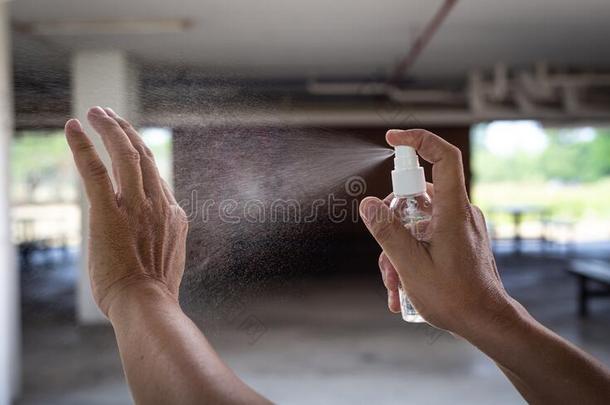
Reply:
x=107, y=79
x=10, y=353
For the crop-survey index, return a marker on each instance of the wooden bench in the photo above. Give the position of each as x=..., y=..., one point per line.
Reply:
x=587, y=271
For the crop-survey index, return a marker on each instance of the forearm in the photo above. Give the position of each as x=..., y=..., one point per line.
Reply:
x=543, y=367
x=524, y=390
x=165, y=356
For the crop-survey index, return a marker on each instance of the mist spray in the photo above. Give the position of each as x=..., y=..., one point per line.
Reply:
x=413, y=206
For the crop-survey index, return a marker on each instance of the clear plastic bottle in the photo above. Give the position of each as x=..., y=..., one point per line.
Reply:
x=414, y=208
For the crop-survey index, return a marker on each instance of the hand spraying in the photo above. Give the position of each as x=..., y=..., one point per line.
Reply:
x=413, y=206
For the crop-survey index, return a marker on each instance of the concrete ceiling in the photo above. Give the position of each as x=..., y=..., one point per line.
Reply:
x=339, y=38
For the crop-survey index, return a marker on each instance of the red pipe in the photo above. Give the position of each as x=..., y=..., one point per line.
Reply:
x=422, y=40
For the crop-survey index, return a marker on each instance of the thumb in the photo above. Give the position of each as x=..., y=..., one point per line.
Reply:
x=395, y=240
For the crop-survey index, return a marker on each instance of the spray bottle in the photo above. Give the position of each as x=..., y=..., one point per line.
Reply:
x=413, y=206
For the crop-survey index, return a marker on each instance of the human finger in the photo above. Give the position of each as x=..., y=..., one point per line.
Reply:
x=92, y=170
x=125, y=158
x=151, y=179
x=446, y=160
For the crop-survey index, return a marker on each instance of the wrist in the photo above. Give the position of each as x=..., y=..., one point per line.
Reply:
x=139, y=294
x=497, y=326
x=489, y=324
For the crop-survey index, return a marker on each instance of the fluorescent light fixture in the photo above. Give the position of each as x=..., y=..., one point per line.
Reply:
x=123, y=27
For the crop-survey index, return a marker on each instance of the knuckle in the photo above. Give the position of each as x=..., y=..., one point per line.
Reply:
x=477, y=211
x=478, y=216
x=466, y=213
x=181, y=216
x=143, y=150
x=459, y=214
x=167, y=187
x=131, y=155
x=84, y=148
x=147, y=152
x=384, y=231
x=455, y=153
x=96, y=169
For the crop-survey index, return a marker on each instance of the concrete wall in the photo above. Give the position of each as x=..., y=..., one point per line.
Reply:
x=9, y=291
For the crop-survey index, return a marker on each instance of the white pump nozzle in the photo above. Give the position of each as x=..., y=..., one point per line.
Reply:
x=405, y=158
x=407, y=177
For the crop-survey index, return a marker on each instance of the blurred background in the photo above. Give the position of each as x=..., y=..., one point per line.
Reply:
x=252, y=101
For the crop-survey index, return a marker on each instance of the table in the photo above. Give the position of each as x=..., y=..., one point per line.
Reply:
x=517, y=212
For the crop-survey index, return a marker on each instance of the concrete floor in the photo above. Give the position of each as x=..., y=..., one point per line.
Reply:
x=328, y=340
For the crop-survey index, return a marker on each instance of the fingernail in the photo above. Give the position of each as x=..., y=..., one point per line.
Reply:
x=74, y=125
x=97, y=110
x=368, y=208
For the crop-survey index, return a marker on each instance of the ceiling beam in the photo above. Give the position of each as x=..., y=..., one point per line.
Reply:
x=421, y=41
